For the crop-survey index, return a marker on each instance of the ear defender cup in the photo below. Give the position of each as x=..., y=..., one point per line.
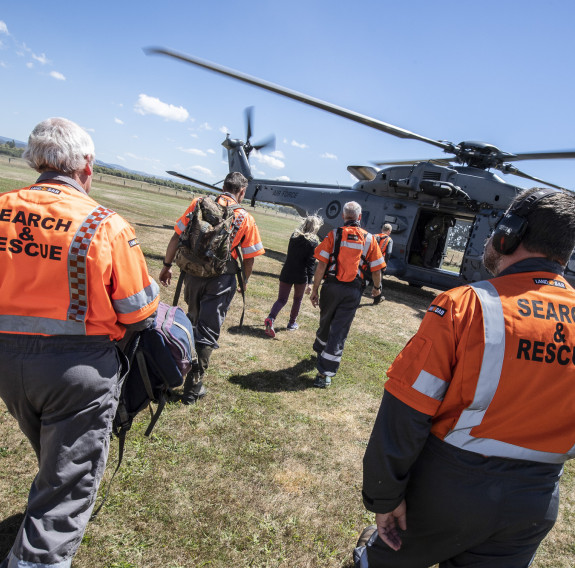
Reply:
x=511, y=228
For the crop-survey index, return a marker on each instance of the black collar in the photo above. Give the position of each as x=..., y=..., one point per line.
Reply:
x=534, y=264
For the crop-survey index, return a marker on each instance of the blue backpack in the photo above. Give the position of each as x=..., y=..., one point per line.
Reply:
x=160, y=357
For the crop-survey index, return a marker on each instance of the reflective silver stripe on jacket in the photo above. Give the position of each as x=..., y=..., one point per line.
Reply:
x=77, y=277
x=138, y=300
x=487, y=383
x=430, y=385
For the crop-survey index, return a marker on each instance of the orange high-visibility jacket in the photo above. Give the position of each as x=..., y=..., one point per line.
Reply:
x=356, y=244
x=494, y=365
x=69, y=266
x=383, y=241
x=244, y=227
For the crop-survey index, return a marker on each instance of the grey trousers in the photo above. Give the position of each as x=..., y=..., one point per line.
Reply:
x=63, y=391
x=208, y=301
x=464, y=509
x=338, y=304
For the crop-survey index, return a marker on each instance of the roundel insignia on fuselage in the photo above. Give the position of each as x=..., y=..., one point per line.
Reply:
x=333, y=209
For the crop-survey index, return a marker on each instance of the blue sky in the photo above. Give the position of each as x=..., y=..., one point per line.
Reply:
x=500, y=71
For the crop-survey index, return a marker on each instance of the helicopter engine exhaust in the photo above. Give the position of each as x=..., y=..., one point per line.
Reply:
x=441, y=189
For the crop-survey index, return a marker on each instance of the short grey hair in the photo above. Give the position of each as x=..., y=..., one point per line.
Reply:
x=234, y=183
x=59, y=144
x=386, y=228
x=352, y=210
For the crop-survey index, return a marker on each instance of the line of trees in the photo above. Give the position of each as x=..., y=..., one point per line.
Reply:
x=10, y=149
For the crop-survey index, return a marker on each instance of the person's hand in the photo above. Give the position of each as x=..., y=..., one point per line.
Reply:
x=239, y=289
x=165, y=275
x=387, y=524
x=314, y=297
x=308, y=289
x=375, y=292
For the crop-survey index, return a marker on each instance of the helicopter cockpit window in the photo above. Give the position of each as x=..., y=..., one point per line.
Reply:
x=439, y=241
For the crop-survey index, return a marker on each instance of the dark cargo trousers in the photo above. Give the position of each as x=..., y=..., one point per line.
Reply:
x=338, y=303
x=63, y=391
x=464, y=509
x=208, y=301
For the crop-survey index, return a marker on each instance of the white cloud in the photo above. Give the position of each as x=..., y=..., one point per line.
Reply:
x=57, y=75
x=193, y=151
x=153, y=105
x=277, y=154
x=121, y=158
x=298, y=144
x=210, y=151
x=203, y=171
x=282, y=178
x=2, y=64
x=329, y=156
x=268, y=160
x=224, y=129
x=40, y=58
x=30, y=65
x=3, y=28
x=118, y=121
x=205, y=126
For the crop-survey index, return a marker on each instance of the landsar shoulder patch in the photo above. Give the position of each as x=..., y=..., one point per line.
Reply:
x=549, y=282
x=134, y=242
x=437, y=310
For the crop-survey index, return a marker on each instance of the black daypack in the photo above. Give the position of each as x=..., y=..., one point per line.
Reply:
x=160, y=357
x=205, y=246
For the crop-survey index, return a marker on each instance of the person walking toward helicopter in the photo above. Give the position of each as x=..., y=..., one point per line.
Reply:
x=478, y=416
x=297, y=272
x=344, y=256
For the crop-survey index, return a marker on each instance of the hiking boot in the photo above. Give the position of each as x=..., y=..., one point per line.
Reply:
x=378, y=299
x=292, y=326
x=269, y=323
x=321, y=381
x=193, y=394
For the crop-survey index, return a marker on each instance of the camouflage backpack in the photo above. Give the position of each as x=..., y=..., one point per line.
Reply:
x=205, y=245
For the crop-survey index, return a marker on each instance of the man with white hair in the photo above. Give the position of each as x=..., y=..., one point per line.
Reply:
x=345, y=256
x=73, y=279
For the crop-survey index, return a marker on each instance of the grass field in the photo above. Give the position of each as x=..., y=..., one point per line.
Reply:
x=266, y=470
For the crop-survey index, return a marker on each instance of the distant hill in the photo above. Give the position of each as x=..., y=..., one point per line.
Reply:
x=18, y=144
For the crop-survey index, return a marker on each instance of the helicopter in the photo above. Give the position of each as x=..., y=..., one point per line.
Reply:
x=441, y=210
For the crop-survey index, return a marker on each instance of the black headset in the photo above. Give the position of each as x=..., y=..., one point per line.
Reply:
x=511, y=228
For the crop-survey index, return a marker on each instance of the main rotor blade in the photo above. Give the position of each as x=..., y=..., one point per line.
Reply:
x=209, y=186
x=558, y=155
x=312, y=101
x=509, y=169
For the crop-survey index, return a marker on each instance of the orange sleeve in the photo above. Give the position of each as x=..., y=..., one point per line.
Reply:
x=375, y=256
x=134, y=294
x=324, y=249
x=183, y=221
x=248, y=238
x=422, y=372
